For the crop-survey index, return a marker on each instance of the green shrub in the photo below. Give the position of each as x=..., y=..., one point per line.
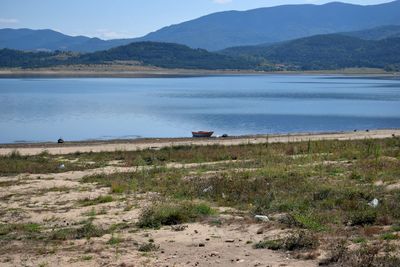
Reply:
x=301, y=240
x=171, y=214
x=88, y=230
x=148, y=247
x=269, y=244
x=364, y=216
x=295, y=241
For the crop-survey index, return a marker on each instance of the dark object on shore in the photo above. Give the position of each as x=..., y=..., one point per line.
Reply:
x=201, y=134
x=367, y=131
x=355, y=131
x=60, y=141
x=225, y=135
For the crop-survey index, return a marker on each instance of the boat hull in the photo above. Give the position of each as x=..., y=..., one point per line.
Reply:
x=202, y=134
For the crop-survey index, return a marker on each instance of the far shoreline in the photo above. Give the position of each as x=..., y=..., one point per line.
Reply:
x=150, y=72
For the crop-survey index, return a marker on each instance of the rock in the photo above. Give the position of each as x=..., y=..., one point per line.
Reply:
x=230, y=240
x=262, y=218
x=260, y=231
x=202, y=245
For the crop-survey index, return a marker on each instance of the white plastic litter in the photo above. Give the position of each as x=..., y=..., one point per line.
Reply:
x=374, y=203
x=208, y=189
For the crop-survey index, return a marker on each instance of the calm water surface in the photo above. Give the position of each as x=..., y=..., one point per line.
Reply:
x=82, y=109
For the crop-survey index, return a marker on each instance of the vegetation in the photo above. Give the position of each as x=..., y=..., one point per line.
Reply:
x=171, y=214
x=162, y=55
x=319, y=192
x=325, y=52
x=96, y=201
x=295, y=241
x=16, y=163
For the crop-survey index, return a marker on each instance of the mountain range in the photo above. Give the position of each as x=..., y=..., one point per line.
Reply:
x=221, y=30
x=49, y=40
x=319, y=52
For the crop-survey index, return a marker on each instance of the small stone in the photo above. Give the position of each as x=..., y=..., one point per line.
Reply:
x=260, y=231
x=262, y=218
x=202, y=245
x=214, y=254
x=230, y=240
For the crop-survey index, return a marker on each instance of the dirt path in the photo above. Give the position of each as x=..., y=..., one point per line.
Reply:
x=34, y=149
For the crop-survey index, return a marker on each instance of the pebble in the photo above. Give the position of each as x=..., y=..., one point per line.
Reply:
x=230, y=240
x=202, y=245
x=214, y=254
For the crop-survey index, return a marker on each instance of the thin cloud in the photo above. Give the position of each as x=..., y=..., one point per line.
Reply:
x=8, y=21
x=221, y=2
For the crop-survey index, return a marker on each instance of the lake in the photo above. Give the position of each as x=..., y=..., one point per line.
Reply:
x=33, y=110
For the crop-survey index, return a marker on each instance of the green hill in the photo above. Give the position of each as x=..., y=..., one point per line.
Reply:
x=331, y=51
x=168, y=55
x=162, y=55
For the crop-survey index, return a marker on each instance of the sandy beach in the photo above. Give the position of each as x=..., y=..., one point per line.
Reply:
x=140, y=144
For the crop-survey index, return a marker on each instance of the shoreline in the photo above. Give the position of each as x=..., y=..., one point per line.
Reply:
x=174, y=73
x=158, y=143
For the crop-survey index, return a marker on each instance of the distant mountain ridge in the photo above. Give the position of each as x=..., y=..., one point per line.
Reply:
x=275, y=24
x=228, y=29
x=49, y=40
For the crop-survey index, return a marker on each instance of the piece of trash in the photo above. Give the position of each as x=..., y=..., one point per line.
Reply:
x=208, y=189
x=374, y=203
x=262, y=218
x=62, y=166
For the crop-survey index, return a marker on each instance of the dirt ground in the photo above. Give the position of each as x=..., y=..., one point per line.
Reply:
x=50, y=200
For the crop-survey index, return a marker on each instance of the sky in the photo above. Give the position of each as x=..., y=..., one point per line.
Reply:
x=110, y=19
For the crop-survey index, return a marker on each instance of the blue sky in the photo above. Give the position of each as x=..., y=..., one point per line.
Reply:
x=110, y=19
